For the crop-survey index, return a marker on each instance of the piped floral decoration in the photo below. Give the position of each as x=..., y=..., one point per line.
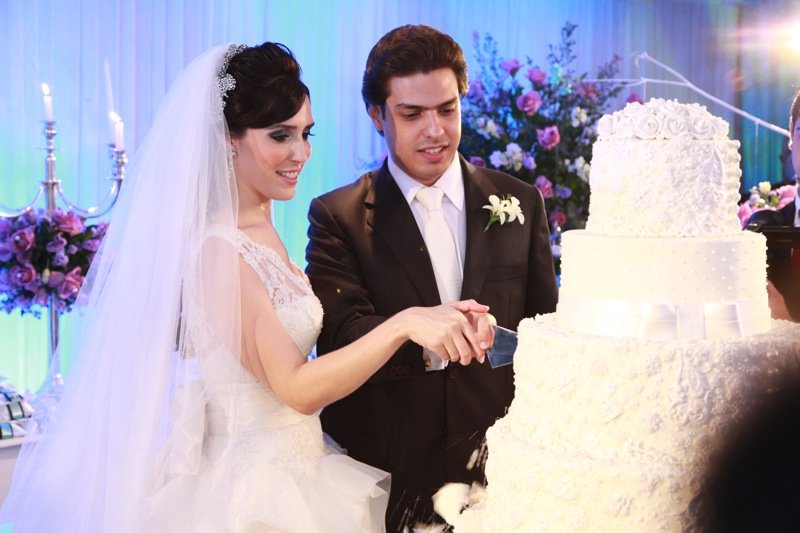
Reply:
x=502, y=210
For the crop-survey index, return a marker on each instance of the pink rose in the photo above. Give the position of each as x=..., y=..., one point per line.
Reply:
x=548, y=137
x=23, y=274
x=745, y=212
x=477, y=160
x=22, y=240
x=786, y=193
x=68, y=222
x=557, y=219
x=586, y=90
x=529, y=103
x=537, y=76
x=510, y=65
x=634, y=97
x=70, y=285
x=545, y=186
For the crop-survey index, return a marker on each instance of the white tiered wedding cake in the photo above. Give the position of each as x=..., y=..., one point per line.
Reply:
x=661, y=334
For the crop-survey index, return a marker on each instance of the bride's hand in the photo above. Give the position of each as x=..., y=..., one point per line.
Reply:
x=456, y=331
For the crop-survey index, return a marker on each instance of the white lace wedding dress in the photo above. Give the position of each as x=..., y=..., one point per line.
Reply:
x=264, y=466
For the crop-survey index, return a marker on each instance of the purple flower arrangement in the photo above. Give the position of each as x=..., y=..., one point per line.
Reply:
x=44, y=257
x=538, y=124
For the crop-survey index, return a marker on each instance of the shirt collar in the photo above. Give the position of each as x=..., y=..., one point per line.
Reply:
x=451, y=182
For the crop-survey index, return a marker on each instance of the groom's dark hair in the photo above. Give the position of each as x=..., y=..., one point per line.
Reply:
x=408, y=50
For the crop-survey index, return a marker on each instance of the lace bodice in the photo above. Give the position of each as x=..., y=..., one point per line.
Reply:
x=239, y=406
x=298, y=309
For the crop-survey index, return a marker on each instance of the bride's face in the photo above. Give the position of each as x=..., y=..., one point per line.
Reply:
x=268, y=161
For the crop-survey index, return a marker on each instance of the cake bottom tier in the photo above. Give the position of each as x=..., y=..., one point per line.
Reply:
x=612, y=434
x=536, y=489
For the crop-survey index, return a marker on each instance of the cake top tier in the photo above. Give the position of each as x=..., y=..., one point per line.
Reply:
x=664, y=169
x=662, y=119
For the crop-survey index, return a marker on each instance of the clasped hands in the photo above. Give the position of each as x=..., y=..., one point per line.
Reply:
x=456, y=331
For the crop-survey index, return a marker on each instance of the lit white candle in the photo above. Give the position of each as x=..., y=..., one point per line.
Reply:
x=109, y=97
x=119, y=131
x=48, y=103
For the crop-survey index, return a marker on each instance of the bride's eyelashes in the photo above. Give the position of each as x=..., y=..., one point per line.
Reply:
x=283, y=135
x=279, y=136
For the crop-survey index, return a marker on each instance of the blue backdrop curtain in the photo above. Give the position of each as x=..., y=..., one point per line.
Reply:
x=730, y=48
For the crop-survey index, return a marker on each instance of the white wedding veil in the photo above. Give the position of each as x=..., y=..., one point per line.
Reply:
x=131, y=413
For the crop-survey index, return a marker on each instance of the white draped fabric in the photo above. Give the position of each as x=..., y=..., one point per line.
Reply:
x=147, y=42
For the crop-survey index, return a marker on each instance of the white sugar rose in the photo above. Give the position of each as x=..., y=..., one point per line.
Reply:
x=702, y=128
x=623, y=127
x=647, y=126
x=675, y=125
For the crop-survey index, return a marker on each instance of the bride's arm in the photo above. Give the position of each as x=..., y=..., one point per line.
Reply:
x=307, y=386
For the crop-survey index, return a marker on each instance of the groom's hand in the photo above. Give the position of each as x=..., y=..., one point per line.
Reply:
x=450, y=330
x=482, y=322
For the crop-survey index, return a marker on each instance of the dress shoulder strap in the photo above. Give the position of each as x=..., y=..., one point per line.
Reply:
x=279, y=281
x=244, y=246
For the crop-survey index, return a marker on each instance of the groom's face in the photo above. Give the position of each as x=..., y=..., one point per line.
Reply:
x=421, y=123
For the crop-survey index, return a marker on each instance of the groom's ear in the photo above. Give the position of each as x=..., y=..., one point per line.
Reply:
x=376, y=114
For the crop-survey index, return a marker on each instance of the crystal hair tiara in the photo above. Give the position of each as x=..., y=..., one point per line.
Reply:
x=225, y=81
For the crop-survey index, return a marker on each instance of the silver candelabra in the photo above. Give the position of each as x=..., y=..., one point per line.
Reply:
x=50, y=187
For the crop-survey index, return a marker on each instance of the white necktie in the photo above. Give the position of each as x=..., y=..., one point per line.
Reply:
x=442, y=251
x=441, y=246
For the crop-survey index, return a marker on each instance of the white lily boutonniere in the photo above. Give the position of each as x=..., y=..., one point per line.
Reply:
x=505, y=209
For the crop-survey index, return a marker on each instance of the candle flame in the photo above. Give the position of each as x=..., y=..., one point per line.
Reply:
x=114, y=117
x=46, y=89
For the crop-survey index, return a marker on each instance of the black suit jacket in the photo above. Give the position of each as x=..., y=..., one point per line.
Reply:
x=367, y=261
x=788, y=211
x=786, y=280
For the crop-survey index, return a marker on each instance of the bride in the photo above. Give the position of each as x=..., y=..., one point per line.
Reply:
x=192, y=404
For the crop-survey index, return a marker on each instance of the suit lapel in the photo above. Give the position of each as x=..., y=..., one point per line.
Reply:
x=390, y=217
x=479, y=249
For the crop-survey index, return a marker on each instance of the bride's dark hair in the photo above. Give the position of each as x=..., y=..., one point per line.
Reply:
x=268, y=88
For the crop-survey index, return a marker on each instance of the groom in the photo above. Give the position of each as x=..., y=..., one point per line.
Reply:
x=373, y=251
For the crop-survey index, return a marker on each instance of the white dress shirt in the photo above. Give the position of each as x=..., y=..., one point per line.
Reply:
x=452, y=184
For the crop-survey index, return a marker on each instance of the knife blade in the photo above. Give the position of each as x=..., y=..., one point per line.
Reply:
x=501, y=353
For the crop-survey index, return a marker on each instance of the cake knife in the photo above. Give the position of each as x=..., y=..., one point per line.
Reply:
x=501, y=353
